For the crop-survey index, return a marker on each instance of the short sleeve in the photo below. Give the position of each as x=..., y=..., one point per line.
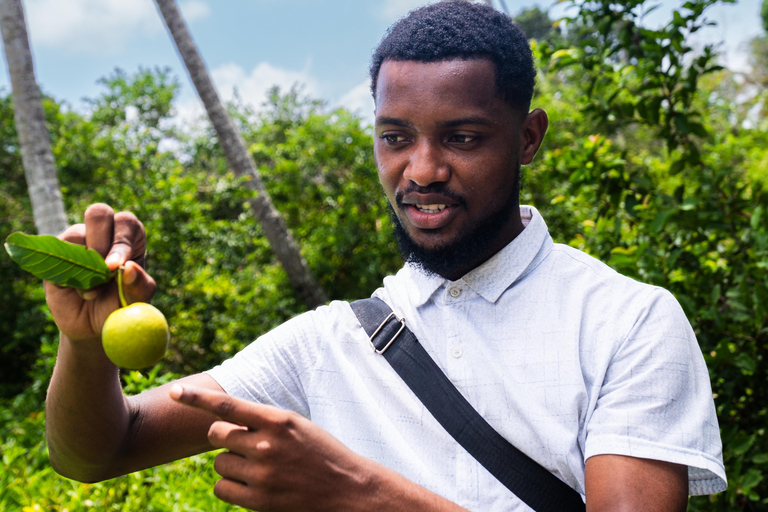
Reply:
x=656, y=398
x=270, y=370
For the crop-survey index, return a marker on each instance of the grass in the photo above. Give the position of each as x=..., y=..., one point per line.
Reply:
x=29, y=484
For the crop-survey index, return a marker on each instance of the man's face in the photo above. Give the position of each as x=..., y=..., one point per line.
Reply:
x=448, y=150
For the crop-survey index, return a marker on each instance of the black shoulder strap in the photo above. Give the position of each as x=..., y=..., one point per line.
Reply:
x=537, y=487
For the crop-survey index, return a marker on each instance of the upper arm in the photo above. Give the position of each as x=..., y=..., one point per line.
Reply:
x=163, y=430
x=621, y=483
x=654, y=401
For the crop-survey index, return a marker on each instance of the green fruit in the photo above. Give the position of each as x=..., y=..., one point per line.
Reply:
x=135, y=336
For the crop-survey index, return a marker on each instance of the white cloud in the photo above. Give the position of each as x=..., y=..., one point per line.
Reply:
x=251, y=88
x=98, y=26
x=358, y=100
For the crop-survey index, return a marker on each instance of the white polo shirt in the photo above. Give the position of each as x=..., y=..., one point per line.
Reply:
x=562, y=355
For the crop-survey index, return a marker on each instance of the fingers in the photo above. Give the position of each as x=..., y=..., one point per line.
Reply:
x=233, y=410
x=237, y=493
x=99, y=221
x=254, y=444
x=223, y=434
x=138, y=286
x=234, y=467
x=74, y=234
x=118, y=237
x=128, y=241
x=245, y=483
x=121, y=240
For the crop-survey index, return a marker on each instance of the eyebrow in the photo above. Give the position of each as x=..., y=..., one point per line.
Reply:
x=393, y=121
x=466, y=120
x=475, y=120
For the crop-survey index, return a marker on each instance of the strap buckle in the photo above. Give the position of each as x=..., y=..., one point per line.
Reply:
x=383, y=324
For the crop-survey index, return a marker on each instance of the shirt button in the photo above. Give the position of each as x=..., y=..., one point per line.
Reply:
x=454, y=292
x=456, y=351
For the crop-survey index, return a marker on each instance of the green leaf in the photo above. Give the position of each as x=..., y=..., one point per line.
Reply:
x=57, y=261
x=661, y=220
x=697, y=129
x=757, y=215
x=745, y=362
x=677, y=166
x=751, y=479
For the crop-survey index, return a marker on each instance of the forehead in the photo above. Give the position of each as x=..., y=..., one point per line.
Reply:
x=458, y=84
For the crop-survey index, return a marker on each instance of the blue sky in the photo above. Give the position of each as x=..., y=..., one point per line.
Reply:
x=254, y=44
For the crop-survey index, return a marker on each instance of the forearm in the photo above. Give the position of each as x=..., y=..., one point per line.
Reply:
x=88, y=419
x=386, y=490
x=279, y=460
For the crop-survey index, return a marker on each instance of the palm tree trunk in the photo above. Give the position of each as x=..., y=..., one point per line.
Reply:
x=34, y=138
x=240, y=161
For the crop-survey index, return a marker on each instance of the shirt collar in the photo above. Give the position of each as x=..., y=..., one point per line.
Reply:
x=501, y=271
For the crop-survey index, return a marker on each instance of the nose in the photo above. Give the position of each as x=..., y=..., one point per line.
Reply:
x=426, y=164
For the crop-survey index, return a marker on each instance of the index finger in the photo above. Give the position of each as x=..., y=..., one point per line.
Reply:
x=248, y=414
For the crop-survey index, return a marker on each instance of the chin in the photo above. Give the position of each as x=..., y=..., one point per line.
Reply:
x=450, y=255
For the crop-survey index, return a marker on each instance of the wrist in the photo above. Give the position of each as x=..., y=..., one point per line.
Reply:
x=87, y=353
x=370, y=484
x=383, y=489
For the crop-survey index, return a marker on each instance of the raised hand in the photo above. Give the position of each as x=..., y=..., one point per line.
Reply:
x=120, y=238
x=277, y=459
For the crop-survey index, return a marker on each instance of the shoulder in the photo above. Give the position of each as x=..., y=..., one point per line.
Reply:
x=297, y=343
x=312, y=327
x=564, y=258
x=594, y=283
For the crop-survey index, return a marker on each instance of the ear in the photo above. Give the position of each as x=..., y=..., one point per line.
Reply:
x=534, y=129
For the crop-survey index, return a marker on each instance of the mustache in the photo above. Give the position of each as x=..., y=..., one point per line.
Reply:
x=433, y=188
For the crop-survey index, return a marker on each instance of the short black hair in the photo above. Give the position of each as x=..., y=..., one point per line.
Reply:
x=457, y=29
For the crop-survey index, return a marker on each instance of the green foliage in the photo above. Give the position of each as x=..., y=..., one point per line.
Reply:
x=29, y=484
x=654, y=163
x=23, y=314
x=663, y=182
x=219, y=284
x=320, y=170
x=536, y=24
x=149, y=92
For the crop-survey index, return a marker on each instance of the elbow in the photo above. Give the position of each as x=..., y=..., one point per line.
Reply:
x=79, y=471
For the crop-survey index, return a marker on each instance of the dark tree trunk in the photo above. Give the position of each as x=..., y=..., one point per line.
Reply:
x=240, y=161
x=34, y=138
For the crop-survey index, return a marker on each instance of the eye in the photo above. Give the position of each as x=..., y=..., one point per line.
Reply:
x=393, y=138
x=463, y=138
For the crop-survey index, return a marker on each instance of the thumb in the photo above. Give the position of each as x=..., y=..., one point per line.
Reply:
x=138, y=286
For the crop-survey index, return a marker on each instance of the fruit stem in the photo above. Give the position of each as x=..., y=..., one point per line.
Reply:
x=120, y=285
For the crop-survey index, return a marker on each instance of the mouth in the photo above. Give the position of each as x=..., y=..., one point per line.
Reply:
x=427, y=213
x=430, y=208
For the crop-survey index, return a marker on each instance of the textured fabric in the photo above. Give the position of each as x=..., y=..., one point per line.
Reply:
x=559, y=353
x=531, y=483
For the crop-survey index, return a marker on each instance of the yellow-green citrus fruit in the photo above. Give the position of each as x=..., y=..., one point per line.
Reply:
x=135, y=336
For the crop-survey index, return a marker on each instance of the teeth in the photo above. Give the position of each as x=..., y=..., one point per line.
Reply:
x=430, y=207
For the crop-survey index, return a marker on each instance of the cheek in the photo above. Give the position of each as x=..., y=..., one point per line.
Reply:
x=388, y=175
x=389, y=186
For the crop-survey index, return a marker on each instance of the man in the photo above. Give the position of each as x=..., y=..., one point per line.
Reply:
x=596, y=377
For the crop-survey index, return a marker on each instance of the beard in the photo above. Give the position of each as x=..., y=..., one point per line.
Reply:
x=468, y=249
